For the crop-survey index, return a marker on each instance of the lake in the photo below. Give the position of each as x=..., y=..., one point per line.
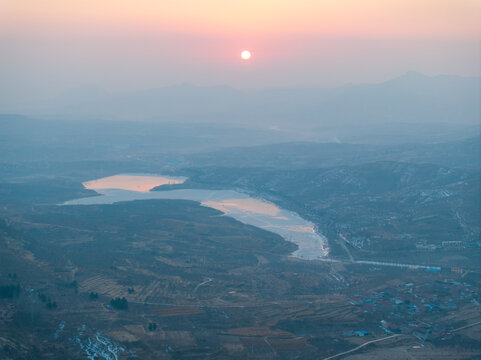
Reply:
x=240, y=206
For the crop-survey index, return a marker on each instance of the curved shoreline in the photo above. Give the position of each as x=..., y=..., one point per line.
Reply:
x=240, y=206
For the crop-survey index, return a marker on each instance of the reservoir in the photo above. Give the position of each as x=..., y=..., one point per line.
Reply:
x=240, y=206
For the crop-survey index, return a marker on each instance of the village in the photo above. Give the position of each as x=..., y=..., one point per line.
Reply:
x=409, y=309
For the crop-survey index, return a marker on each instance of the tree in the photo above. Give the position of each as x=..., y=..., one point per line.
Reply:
x=9, y=291
x=51, y=305
x=119, y=303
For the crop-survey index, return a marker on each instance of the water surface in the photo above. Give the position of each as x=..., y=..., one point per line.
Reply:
x=240, y=206
x=140, y=183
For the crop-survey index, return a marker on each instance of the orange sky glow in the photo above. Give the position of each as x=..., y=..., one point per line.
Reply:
x=378, y=18
x=124, y=45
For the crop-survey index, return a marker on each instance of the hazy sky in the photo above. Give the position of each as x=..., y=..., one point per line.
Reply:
x=51, y=45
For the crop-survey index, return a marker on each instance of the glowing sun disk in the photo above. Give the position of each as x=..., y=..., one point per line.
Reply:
x=246, y=55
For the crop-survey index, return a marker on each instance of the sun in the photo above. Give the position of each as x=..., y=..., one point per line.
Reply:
x=246, y=55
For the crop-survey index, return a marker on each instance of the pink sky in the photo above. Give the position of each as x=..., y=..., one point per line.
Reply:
x=253, y=18
x=52, y=45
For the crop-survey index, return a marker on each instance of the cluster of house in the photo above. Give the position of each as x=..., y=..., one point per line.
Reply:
x=453, y=244
x=421, y=331
x=352, y=333
x=437, y=296
x=406, y=299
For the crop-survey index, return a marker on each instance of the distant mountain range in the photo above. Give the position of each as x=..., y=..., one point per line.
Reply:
x=305, y=155
x=410, y=98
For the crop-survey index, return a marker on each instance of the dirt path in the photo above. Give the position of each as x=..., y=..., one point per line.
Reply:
x=361, y=346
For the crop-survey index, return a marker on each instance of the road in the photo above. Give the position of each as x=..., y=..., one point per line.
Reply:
x=202, y=283
x=382, y=263
x=361, y=346
x=467, y=326
x=343, y=244
x=390, y=337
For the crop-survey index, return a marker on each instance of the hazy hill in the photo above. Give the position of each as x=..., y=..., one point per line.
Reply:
x=383, y=204
x=410, y=98
x=298, y=155
x=28, y=139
